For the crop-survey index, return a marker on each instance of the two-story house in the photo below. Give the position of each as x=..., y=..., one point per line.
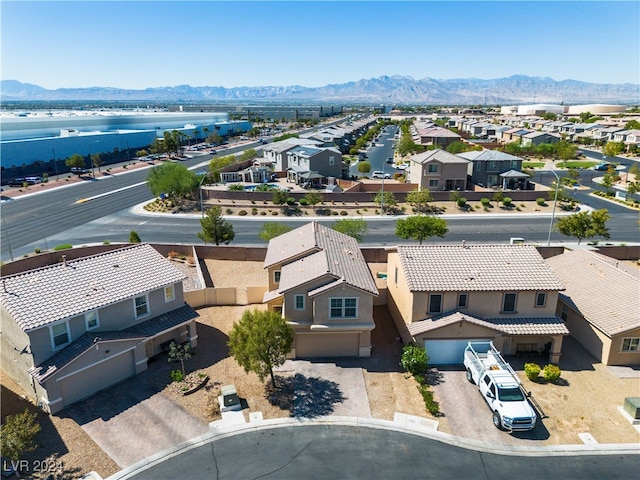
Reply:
x=276, y=153
x=438, y=170
x=77, y=327
x=320, y=282
x=308, y=164
x=487, y=165
x=538, y=138
x=443, y=296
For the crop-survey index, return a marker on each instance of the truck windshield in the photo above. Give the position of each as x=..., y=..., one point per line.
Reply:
x=510, y=394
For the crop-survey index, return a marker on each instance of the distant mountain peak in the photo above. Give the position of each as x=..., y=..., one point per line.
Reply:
x=394, y=89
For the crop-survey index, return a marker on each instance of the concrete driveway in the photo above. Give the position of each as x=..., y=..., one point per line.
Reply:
x=132, y=421
x=323, y=388
x=468, y=415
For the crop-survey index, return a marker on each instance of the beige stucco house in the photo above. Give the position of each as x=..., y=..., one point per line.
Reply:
x=443, y=296
x=320, y=282
x=601, y=305
x=438, y=170
x=77, y=327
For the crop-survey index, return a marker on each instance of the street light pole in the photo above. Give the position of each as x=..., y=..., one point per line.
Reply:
x=553, y=212
x=382, y=193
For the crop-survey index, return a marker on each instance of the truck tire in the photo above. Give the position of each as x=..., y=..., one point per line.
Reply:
x=470, y=376
x=497, y=421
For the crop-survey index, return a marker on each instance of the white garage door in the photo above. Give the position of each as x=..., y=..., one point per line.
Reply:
x=327, y=344
x=446, y=352
x=90, y=381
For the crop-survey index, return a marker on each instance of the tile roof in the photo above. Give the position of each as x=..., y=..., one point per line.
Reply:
x=511, y=326
x=487, y=155
x=45, y=295
x=606, y=295
x=148, y=328
x=468, y=267
x=441, y=156
x=313, y=250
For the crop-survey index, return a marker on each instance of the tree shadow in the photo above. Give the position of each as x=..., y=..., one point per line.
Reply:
x=433, y=376
x=305, y=397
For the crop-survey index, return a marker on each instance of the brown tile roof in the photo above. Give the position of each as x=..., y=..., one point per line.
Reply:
x=511, y=326
x=38, y=297
x=314, y=250
x=607, y=296
x=468, y=267
x=148, y=328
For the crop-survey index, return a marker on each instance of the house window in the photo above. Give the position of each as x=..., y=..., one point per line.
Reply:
x=142, y=305
x=433, y=182
x=435, y=303
x=463, y=299
x=91, y=319
x=343, y=307
x=514, y=164
x=299, y=302
x=395, y=276
x=332, y=160
x=276, y=276
x=630, y=344
x=564, y=312
x=492, y=180
x=509, y=303
x=169, y=293
x=433, y=168
x=59, y=334
x=493, y=165
x=541, y=299
x=478, y=166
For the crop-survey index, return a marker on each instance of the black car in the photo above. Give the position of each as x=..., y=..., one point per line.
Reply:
x=602, y=167
x=389, y=160
x=17, y=182
x=78, y=170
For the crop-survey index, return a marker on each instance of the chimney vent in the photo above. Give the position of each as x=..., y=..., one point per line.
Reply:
x=64, y=260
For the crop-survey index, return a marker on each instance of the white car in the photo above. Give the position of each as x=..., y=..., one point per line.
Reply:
x=402, y=166
x=379, y=174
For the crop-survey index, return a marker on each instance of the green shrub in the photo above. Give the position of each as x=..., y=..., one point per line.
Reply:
x=414, y=359
x=485, y=201
x=238, y=187
x=334, y=212
x=254, y=211
x=506, y=201
x=344, y=212
x=274, y=213
x=176, y=376
x=551, y=372
x=462, y=202
x=541, y=201
x=433, y=407
x=291, y=201
x=37, y=250
x=532, y=371
x=242, y=213
x=229, y=211
x=106, y=242
x=64, y=246
x=304, y=202
x=263, y=212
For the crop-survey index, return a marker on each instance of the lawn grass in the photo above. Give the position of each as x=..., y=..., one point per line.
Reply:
x=532, y=164
x=576, y=164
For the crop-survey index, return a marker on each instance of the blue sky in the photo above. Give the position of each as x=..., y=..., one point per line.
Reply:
x=140, y=44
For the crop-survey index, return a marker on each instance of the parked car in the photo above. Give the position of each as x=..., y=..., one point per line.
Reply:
x=33, y=180
x=78, y=170
x=602, y=167
x=379, y=174
x=389, y=159
x=17, y=182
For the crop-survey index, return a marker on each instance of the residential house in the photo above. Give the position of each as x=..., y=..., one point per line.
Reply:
x=443, y=296
x=601, y=305
x=314, y=163
x=487, y=165
x=441, y=137
x=513, y=134
x=604, y=134
x=276, y=152
x=537, y=138
x=77, y=327
x=438, y=170
x=320, y=282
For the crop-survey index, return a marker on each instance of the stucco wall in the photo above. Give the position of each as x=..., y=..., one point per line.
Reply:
x=13, y=341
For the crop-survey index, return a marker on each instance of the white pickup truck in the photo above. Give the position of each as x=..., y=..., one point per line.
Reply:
x=499, y=386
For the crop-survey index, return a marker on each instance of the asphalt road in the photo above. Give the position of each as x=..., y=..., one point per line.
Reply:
x=59, y=216
x=343, y=452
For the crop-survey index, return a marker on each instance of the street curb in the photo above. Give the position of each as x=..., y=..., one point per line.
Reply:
x=222, y=433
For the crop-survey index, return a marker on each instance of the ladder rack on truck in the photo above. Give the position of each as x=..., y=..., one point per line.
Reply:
x=484, y=356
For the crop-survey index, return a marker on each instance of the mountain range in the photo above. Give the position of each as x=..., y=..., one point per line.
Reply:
x=394, y=90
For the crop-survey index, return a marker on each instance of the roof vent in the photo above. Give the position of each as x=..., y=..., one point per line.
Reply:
x=4, y=286
x=64, y=260
x=464, y=243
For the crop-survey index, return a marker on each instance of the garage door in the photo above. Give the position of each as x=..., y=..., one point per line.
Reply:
x=327, y=344
x=446, y=352
x=90, y=381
